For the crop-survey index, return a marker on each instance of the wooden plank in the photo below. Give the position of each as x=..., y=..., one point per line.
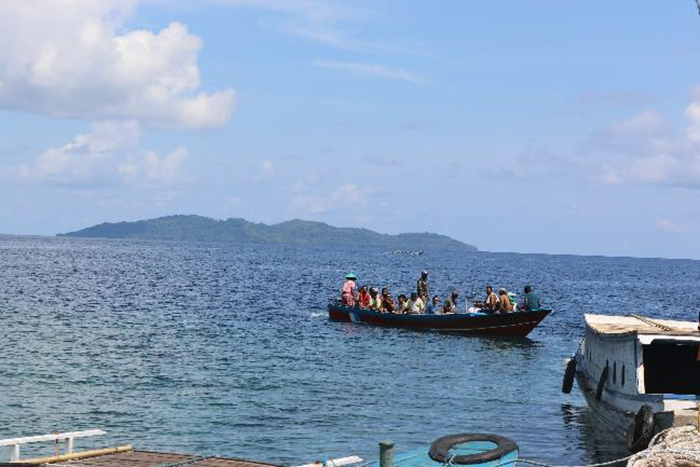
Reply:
x=156, y=459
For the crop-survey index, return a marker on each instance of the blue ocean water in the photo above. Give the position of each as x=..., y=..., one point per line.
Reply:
x=223, y=348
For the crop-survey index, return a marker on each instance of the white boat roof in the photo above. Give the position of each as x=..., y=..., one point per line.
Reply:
x=636, y=324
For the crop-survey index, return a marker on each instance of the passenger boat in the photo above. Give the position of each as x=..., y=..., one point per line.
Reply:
x=514, y=324
x=638, y=375
x=473, y=449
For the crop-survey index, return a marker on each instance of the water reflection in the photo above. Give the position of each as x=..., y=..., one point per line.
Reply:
x=586, y=432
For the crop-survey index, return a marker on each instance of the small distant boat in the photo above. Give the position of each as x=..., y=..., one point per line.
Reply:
x=514, y=324
x=473, y=449
x=638, y=375
x=408, y=252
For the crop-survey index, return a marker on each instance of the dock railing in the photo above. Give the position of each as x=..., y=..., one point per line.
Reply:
x=69, y=438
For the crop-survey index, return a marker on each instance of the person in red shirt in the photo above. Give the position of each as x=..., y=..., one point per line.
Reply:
x=363, y=297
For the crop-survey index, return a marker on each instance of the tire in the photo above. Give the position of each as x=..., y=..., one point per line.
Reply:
x=569, y=375
x=439, y=450
x=601, y=384
x=641, y=429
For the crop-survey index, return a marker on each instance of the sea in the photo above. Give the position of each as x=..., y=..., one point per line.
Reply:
x=222, y=348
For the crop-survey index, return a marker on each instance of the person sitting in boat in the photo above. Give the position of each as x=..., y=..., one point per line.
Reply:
x=504, y=300
x=434, y=307
x=363, y=297
x=422, y=286
x=403, y=304
x=450, y=306
x=530, y=300
x=375, y=301
x=492, y=303
x=349, y=293
x=415, y=305
x=388, y=303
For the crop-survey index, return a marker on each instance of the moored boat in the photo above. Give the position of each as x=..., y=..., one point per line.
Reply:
x=514, y=324
x=638, y=375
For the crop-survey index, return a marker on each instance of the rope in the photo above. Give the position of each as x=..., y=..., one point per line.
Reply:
x=678, y=446
x=542, y=464
x=650, y=322
x=600, y=464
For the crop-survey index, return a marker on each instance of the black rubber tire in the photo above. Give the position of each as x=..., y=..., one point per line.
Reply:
x=641, y=429
x=439, y=450
x=601, y=384
x=569, y=375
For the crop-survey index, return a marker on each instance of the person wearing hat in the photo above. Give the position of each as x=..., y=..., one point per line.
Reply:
x=349, y=294
x=422, y=286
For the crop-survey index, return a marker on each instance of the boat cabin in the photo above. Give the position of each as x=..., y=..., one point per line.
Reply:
x=643, y=357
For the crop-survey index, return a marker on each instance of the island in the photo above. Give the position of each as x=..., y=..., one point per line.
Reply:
x=294, y=232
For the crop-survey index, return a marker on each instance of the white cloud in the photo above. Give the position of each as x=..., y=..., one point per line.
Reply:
x=644, y=150
x=348, y=196
x=692, y=112
x=323, y=22
x=645, y=124
x=74, y=58
x=306, y=184
x=266, y=171
x=646, y=132
x=609, y=176
x=371, y=69
x=667, y=225
x=107, y=155
x=654, y=169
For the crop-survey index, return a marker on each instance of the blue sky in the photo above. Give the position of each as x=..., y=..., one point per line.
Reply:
x=532, y=126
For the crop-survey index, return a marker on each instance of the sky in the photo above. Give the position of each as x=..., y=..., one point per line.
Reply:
x=542, y=126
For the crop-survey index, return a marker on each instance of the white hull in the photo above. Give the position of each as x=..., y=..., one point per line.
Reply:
x=625, y=389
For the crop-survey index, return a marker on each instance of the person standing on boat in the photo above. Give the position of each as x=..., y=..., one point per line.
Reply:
x=349, y=294
x=422, y=286
x=530, y=300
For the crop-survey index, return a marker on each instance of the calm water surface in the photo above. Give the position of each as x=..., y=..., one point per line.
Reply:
x=222, y=348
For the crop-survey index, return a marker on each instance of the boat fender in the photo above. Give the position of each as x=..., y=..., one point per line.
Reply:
x=641, y=429
x=601, y=384
x=439, y=450
x=569, y=374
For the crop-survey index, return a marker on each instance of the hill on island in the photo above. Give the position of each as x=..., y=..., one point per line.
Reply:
x=295, y=232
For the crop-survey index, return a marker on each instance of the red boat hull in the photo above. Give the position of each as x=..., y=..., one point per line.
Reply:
x=517, y=324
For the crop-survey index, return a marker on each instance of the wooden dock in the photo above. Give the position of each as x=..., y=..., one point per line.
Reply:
x=160, y=459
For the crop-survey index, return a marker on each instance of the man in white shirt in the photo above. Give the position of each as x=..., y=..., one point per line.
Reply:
x=415, y=304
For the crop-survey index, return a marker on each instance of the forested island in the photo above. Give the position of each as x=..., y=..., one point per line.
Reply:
x=295, y=232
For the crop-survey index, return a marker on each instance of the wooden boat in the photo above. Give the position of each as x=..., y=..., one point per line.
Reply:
x=473, y=449
x=515, y=324
x=638, y=375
